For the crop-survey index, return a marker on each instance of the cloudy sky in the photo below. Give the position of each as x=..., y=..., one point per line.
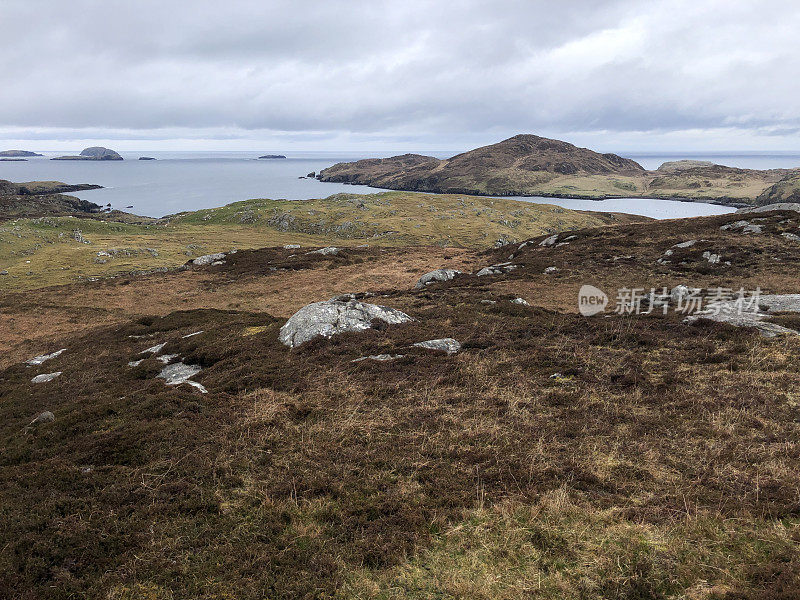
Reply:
x=411, y=75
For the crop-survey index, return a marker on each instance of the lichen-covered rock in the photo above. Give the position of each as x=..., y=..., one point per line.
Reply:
x=208, y=259
x=379, y=357
x=332, y=317
x=437, y=275
x=448, y=345
x=325, y=251
x=497, y=269
x=177, y=373
x=743, y=227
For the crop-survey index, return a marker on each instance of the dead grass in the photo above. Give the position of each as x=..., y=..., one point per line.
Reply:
x=661, y=463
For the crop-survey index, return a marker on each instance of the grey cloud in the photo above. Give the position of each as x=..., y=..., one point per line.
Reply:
x=408, y=71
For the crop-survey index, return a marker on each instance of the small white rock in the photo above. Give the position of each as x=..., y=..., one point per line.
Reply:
x=37, y=360
x=154, y=349
x=44, y=378
x=448, y=345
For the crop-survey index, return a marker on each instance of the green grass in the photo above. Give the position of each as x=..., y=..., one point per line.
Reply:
x=44, y=251
x=559, y=550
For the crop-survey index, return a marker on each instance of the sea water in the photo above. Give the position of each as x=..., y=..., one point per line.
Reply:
x=184, y=181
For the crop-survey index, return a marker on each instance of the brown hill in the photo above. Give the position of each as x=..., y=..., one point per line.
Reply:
x=511, y=167
x=785, y=190
x=617, y=457
x=529, y=165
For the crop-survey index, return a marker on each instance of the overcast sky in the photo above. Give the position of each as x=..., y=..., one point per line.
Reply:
x=399, y=75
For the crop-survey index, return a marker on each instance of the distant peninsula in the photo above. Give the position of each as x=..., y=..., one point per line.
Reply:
x=43, y=198
x=18, y=153
x=271, y=156
x=530, y=165
x=93, y=153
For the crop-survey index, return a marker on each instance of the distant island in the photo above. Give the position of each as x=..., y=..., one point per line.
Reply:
x=530, y=165
x=146, y=158
x=93, y=153
x=13, y=160
x=272, y=156
x=18, y=153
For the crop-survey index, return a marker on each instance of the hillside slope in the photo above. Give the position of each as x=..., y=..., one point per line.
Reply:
x=529, y=165
x=553, y=456
x=51, y=250
x=785, y=190
x=507, y=168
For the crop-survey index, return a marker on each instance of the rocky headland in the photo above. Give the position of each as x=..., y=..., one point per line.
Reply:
x=529, y=165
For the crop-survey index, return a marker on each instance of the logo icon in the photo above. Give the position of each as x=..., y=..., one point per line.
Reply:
x=591, y=300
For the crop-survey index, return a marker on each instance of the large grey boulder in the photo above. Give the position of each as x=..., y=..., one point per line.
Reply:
x=437, y=275
x=331, y=317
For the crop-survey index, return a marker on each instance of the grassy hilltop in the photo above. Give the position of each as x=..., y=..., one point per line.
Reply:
x=53, y=250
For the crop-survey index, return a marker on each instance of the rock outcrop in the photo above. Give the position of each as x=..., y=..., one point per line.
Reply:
x=740, y=315
x=437, y=275
x=448, y=345
x=209, y=259
x=332, y=317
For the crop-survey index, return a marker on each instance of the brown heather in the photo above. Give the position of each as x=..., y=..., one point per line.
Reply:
x=662, y=463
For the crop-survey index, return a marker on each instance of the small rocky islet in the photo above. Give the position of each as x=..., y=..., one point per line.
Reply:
x=94, y=153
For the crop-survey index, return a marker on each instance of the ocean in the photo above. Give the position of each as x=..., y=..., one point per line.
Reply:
x=184, y=181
